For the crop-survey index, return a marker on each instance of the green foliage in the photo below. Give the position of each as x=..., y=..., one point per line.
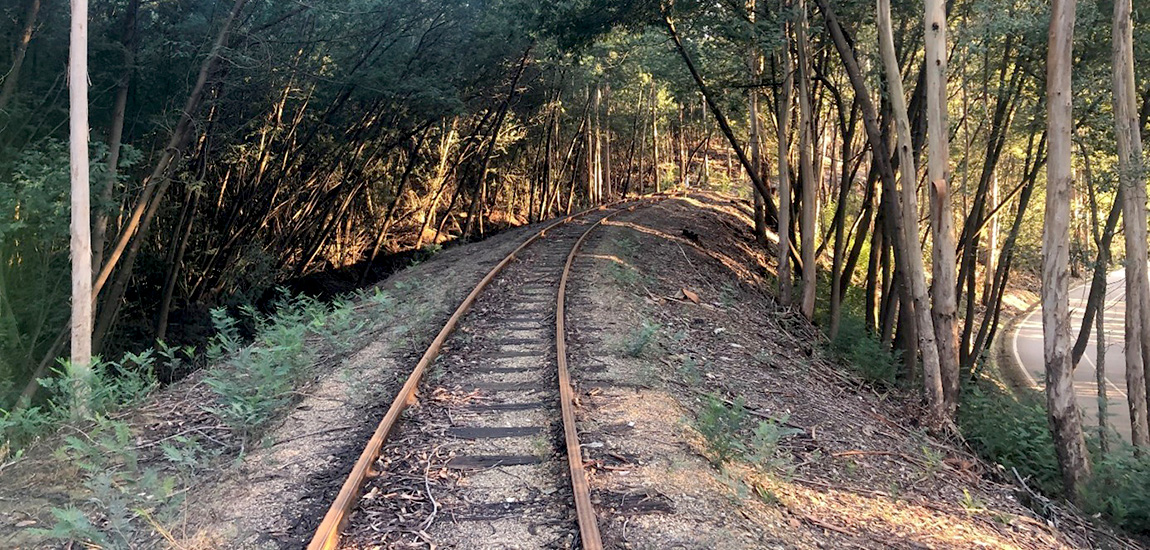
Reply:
x=765, y=439
x=1117, y=490
x=640, y=338
x=720, y=426
x=125, y=494
x=624, y=275
x=73, y=525
x=342, y=325
x=256, y=381
x=34, y=265
x=1011, y=431
x=628, y=246
x=724, y=429
x=865, y=353
x=111, y=386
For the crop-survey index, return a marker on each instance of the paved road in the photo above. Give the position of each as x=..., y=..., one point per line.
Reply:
x=1027, y=347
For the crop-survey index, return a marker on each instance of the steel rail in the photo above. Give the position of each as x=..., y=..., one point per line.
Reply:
x=584, y=510
x=327, y=535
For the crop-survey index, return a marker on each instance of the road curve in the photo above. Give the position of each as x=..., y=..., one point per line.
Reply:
x=1026, y=345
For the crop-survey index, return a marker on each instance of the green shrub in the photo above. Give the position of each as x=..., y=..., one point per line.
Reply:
x=258, y=381
x=111, y=386
x=725, y=430
x=720, y=426
x=1012, y=431
x=1118, y=490
x=765, y=438
x=623, y=274
x=124, y=494
x=864, y=353
x=640, y=338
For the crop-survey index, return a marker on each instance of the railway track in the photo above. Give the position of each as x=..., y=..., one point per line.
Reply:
x=491, y=457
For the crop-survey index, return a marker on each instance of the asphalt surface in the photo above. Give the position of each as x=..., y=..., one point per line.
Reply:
x=1027, y=349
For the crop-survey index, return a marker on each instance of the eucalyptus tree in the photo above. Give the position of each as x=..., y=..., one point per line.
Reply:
x=81, y=243
x=1132, y=179
x=920, y=300
x=944, y=306
x=1066, y=426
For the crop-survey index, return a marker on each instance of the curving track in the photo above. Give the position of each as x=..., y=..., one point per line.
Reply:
x=491, y=457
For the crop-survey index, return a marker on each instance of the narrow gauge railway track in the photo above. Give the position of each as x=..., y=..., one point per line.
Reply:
x=497, y=421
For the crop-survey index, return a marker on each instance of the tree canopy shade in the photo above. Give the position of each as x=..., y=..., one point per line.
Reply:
x=238, y=146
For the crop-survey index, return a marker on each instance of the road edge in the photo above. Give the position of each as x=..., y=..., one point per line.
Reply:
x=1006, y=359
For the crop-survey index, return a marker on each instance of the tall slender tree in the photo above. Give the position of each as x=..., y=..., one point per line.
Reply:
x=810, y=199
x=81, y=242
x=783, y=132
x=1065, y=423
x=1133, y=182
x=944, y=308
x=932, y=376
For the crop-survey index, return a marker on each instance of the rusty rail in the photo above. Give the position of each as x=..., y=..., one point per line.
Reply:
x=584, y=510
x=327, y=535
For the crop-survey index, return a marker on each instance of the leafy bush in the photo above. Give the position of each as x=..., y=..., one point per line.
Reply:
x=257, y=381
x=724, y=428
x=865, y=353
x=1012, y=431
x=639, y=338
x=765, y=438
x=1118, y=489
x=111, y=385
x=720, y=426
x=125, y=494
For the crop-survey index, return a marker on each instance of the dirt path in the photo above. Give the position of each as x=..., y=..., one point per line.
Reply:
x=723, y=424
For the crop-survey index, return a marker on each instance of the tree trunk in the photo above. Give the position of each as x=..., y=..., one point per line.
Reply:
x=591, y=138
x=475, y=210
x=153, y=193
x=1066, y=426
x=1103, y=241
x=893, y=229
x=932, y=376
x=809, y=197
x=176, y=260
x=755, y=67
x=389, y=216
x=783, y=131
x=1132, y=179
x=440, y=182
x=945, y=305
x=655, y=136
x=115, y=136
x=80, y=367
x=606, y=188
x=1101, y=265
x=991, y=246
x=8, y=91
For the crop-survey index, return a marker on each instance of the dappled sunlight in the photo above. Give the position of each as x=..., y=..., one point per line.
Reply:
x=874, y=517
x=735, y=267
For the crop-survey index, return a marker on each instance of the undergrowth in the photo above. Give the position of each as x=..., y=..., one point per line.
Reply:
x=1008, y=429
x=641, y=338
x=254, y=383
x=135, y=487
x=730, y=435
x=1012, y=430
x=864, y=353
